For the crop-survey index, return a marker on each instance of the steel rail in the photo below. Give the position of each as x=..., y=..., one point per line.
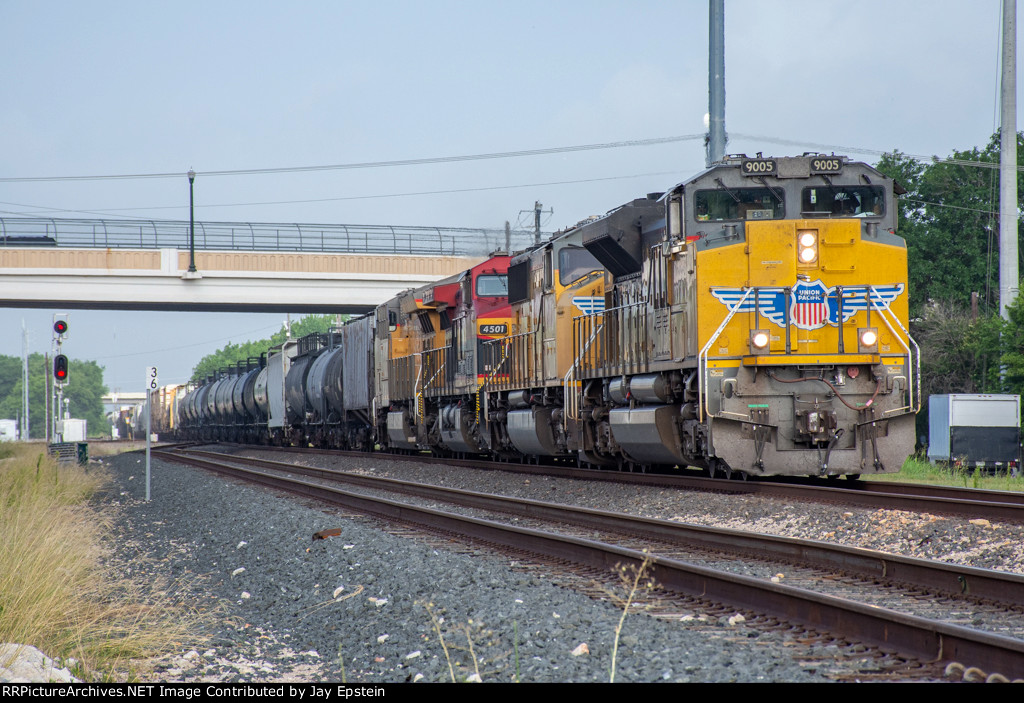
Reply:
x=948, y=500
x=919, y=637
x=951, y=579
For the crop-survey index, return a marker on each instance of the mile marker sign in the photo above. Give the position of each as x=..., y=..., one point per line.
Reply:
x=151, y=385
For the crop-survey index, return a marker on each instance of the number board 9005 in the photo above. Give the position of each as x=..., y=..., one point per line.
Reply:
x=826, y=164
x=759, y=167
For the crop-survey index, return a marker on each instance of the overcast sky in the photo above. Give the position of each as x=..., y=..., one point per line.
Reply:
x=104, y=88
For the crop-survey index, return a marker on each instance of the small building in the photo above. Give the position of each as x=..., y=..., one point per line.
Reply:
x=8, y=430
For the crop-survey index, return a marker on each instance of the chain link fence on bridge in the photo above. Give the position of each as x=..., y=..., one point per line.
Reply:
x=259, y=236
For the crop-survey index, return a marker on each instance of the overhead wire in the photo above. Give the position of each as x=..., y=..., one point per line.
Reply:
x=364, y=164
x=112, y=211
x=488, y=156
x=381, y=195
x=874, y=152
x=951, y=207
x=195, y=344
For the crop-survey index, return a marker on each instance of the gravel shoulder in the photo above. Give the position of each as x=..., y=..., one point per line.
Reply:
x=372, y=606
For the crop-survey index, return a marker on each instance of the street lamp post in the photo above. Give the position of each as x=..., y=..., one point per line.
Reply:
x=191, y=224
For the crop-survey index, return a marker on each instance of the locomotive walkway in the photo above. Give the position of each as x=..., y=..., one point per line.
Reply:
x=265, y=267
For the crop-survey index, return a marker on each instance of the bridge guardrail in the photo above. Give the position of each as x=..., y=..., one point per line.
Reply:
x=257, y=236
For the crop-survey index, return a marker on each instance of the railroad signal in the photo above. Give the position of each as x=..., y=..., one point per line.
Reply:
x=60, y=368
x=60, y=327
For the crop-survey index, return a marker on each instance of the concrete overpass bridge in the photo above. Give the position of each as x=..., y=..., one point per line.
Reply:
x=240, y=266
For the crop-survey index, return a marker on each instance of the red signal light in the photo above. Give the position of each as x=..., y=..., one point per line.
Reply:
x=60, y=326
x=60, y=367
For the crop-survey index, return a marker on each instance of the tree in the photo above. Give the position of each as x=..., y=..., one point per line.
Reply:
x=949, y=218
x=1013, y=349
x=84, y=390
x=959, y=354
x=231, y=354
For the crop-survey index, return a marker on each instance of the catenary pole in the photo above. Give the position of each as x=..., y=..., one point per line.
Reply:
x=1009, y=276
x=716, y=81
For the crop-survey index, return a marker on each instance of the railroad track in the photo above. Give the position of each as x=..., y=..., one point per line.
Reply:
x=850, y=591
x=972, y=503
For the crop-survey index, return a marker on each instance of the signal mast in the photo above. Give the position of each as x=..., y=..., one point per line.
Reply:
x=60, y=373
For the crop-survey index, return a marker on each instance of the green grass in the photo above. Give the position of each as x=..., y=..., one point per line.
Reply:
x=60, y=591
x=917, y=469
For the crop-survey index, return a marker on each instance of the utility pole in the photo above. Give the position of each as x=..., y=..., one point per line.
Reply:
x=48, y=395
x=716, y=138
x=537, y=212
x=536, y=222
x=1009, y=277
x=191, y=225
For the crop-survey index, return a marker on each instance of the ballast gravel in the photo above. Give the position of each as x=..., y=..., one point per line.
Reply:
x=369, y=605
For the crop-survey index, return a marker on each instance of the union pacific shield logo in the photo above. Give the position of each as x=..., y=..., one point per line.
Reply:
x=589, y=304
x=812, y=305
x=810, y=308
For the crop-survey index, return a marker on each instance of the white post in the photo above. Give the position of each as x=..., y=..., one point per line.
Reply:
x=151, y=385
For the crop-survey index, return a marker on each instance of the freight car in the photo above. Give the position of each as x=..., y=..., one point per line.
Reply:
x=751, y=321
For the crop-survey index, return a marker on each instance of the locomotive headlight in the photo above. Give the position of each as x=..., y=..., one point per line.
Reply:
x=807, y=251
x=759, y=341
x=868, y=339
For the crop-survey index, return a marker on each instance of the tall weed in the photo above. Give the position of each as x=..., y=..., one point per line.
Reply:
x=59, y=590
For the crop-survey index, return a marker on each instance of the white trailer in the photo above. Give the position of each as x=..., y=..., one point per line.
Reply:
x=975, y=430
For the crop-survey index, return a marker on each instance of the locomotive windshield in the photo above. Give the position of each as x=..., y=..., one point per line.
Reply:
x=739, y=204
x=491, y=286
x=575, y=263
x=843, y=201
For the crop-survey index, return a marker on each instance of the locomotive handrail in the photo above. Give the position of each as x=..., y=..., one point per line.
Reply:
x=430, y=382
x=572, y=405
x=416, y=392
x=519, y=347
x=702, y=364
x=911, y=361
x=494, y=372
x=633, y=356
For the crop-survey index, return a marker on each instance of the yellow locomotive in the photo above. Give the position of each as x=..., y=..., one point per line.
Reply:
x=751, y=321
